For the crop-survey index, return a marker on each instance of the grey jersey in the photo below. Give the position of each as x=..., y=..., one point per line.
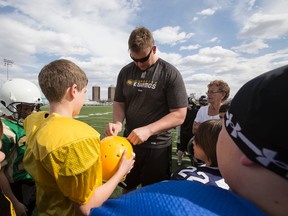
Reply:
x=148, y=96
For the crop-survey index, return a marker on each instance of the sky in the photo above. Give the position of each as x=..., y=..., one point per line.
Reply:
x=204, y=39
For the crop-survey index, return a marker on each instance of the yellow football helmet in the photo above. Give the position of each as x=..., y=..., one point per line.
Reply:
x=112, y=148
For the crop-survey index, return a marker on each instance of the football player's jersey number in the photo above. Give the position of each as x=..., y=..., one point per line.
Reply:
x=202, y=177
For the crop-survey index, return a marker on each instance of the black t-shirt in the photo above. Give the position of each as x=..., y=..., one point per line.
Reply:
x=148, y=96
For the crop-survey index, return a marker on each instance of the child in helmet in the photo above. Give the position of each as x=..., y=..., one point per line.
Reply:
x=16, y=104
x=63, y=154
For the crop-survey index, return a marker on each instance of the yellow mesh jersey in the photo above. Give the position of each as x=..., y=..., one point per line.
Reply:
x=63, y=157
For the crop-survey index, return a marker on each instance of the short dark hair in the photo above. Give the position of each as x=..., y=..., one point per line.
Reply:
x=140, y=38
x=206, y=138
x=57, y=76
x=224, y=107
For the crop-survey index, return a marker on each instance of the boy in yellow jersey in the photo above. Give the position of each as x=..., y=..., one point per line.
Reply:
x=6, y=207
x=63, y=154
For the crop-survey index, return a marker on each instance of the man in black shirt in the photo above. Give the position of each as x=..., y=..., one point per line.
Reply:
x=151, y=97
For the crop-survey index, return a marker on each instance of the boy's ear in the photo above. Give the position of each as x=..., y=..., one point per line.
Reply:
x=74, y=87
x=72, y=90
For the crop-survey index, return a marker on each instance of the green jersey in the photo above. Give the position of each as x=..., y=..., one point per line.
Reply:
x=13, y=146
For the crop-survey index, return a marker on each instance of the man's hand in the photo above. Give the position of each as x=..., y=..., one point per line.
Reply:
x=139, y=135
x=112, y=129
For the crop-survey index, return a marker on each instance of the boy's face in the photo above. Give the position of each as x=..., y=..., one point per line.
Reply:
x=80, y=100
x=24, y=110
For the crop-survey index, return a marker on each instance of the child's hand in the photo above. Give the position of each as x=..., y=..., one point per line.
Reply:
x=125, y=164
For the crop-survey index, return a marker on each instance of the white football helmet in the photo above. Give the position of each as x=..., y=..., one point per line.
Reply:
x=17, y=92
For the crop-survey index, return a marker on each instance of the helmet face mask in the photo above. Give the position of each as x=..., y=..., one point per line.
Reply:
x=19, y=97
x=22, y=109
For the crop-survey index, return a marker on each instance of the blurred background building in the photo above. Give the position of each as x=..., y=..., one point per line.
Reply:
x=96, y=93
x=111, y=93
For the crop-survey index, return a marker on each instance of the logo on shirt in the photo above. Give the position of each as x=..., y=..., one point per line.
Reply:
x=142, y=83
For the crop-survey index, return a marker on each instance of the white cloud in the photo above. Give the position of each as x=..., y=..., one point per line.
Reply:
x=171, y=35
x=208, y=11
x=218, y=63
x=190, y=47
x=94, y=34
x=265, y=26
x=195, y=19
x=217, y=51
x=213, y=60
x=265, y=20
x=214, y=39
x=251, y=4
x=251, y=48
x=74, y=26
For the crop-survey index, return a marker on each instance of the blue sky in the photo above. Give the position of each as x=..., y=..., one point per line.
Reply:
x=205, y=39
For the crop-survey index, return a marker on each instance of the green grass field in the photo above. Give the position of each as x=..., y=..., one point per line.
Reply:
x=99, y=116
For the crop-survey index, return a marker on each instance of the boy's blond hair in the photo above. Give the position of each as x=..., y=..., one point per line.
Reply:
x=57, y=76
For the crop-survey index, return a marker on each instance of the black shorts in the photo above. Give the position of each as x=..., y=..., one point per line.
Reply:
x=151, y=166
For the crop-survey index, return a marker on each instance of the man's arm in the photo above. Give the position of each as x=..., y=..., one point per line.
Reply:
x=174, y=118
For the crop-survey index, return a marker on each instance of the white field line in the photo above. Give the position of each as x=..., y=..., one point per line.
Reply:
x=92, y=114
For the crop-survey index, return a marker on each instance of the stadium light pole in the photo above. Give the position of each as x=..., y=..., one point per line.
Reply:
x=7, y=63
